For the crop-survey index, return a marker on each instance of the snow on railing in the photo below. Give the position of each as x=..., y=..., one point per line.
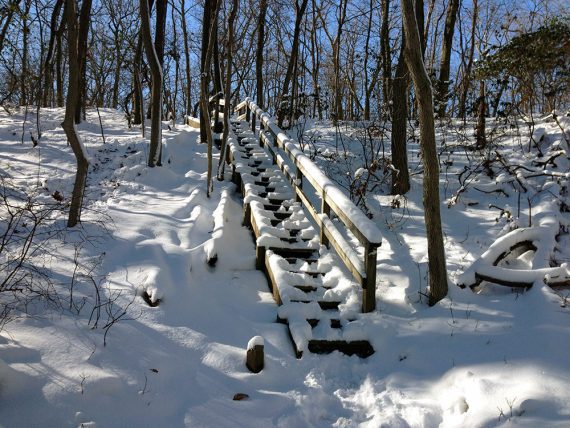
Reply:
x=331, y=198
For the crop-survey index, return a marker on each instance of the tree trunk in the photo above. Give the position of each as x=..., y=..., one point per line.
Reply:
x=156, y=94
x=209, y=29
x=227, y=89
x=205, y=72
x=84, y=18
x=367, y=92
x=138, y=110
x=385, y=52
x=316, y=63
x=159, y=42
x=337, y=87
x=259, y=53
x=217, y=81
x=59, y=72
x=444, y=67
x=400, y=177
x=480, y=137
x=466, y=80
x=160, y=30
x=25, y=53
x=299, y=12
x=48, y=63
x=186, y=58
x=422, y=85
x=172, y=109
x=68, y=122
x=10, y=10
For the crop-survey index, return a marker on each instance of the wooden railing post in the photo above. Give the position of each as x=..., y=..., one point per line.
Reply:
x=247, y=113
x=326, y=210
x=253, y=118
x=369, y=286
x=299, y=182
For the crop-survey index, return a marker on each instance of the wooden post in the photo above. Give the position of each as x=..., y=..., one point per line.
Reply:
x=299, y=182
x=247, y=113
x=325, y=209
x=253, y=118
x=260, y=258
x=255, y=354
x=369, y=286
x=246, y=214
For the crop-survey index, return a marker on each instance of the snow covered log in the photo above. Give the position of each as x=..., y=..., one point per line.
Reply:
x=220, y=217
x=516, y=243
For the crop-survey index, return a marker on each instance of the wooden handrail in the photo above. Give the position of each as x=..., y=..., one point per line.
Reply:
x=332, y=200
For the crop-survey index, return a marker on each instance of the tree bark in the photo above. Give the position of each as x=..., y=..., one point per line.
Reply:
x=466, y=80
x=59, y=72
x=68, y=122
x=227, y=89
x=208, y=32
x=186, y=58
x=316, y=63
x=401, y=176
x=367, y=83
x=259, y=53
x=205, y=72
x=337, y=87
x=436, y=254
x=25, y=53
x=48, y=63
x=10, y=10
x=299, y=12
x=84, y=19
x=156, y=93
x=385, y=52
x=480, y=137
x=444, y=67
x=138, y=110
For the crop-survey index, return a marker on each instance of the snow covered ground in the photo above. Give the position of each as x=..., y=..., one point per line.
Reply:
x=495, y=357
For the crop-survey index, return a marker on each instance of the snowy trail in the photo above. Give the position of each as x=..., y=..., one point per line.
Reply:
x=457, y=364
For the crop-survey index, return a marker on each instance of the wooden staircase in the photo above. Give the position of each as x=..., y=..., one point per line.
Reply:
x=318, y=298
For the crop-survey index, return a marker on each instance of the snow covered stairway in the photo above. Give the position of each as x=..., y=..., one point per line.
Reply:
x=319, y=299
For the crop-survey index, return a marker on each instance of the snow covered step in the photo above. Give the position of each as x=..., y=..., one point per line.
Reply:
x=325, y=305
x=300, y=253
x=324, y=338
x=318, y=301
x=362, y=348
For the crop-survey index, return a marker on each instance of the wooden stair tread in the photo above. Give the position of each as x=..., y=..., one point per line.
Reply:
x=294, y=252
x=362, y=348
x=282, y=215
x=324, y=304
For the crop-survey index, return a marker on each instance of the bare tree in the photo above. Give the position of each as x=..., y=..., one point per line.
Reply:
x=68, y=123
x=209, y=25
x=385, y=52
x=292, y=65
x=422, y=85
x=259, y=52
x=466, y=77
x=444, y=67
x=228, y=87
x=83, y=32
x=400, y=95
x=400, y=174
x=156, y=70
x=186, y=57
x=48, y=64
